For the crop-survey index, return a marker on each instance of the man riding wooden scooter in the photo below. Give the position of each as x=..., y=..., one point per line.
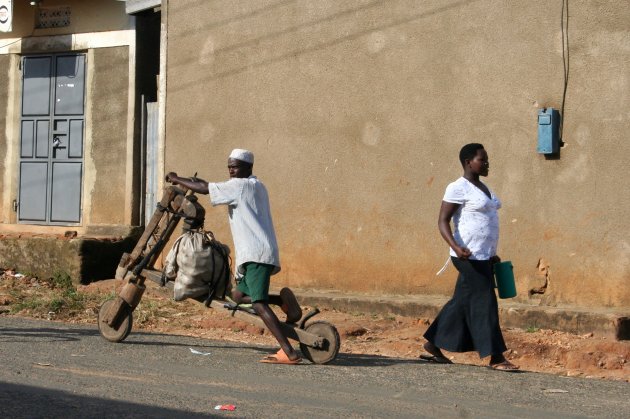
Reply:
x=199, y=265
x=256, y=248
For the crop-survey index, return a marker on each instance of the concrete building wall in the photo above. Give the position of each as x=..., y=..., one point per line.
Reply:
x=4, y=82
x=84, y=17
x=105, y=33
x=356, y=111
x=109, y=88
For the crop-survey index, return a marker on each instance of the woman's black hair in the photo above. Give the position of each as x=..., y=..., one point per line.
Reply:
x=468, y=152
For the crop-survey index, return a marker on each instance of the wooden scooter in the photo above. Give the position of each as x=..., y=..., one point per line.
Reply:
x=319, y=340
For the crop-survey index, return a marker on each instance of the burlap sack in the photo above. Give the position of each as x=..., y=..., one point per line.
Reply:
x=199, y=264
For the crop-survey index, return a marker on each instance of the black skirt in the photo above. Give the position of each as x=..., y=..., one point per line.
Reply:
x=470, y=320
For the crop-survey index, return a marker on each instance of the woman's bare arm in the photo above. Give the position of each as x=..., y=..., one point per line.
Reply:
x=444, y=225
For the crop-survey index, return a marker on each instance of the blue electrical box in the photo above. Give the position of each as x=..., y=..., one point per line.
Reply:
x=548, y=131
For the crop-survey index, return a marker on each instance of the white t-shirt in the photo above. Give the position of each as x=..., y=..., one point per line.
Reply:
x=476, y=221
x=250, y=220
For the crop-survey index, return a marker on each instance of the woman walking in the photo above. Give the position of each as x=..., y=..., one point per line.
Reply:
x=470, y=320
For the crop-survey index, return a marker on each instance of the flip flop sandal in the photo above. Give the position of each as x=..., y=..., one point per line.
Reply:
x=505, y=366
x=273, y=360
x=436, y=359
x=280, y=358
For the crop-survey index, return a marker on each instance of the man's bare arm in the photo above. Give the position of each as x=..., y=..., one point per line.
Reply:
x=194, y=184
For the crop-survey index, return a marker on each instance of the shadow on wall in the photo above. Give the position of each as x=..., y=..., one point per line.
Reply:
x=85, y=260
x=281, y=55
x=99, y=258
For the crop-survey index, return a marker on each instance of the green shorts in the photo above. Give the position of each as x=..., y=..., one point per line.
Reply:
x=255, y=283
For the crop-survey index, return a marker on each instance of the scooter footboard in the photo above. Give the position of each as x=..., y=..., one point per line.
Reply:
x=290, y=331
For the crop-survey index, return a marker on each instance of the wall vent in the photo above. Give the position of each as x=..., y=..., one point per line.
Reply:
x=53, y=17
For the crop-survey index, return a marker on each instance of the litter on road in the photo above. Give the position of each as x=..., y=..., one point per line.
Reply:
x=225, y=407
x=196, y=352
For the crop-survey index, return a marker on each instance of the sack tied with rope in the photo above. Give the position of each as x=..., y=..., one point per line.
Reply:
x=199, y=265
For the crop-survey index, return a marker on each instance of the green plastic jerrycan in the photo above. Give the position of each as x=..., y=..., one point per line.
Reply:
x=504, y=279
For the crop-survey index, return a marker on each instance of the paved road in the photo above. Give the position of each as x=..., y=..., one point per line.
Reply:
x=55, y=370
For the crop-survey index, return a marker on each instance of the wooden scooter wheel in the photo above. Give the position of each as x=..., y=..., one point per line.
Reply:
x=108, y=332
x=331, y=345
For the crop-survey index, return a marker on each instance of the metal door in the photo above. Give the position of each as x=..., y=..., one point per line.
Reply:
x=51, y=139
x=151, y=160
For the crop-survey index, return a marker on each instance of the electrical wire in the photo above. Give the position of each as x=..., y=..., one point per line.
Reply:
x=19, y=39
x=564, y=27
x=10, y=43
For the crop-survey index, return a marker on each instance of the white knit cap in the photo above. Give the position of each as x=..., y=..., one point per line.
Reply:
x=242, y=155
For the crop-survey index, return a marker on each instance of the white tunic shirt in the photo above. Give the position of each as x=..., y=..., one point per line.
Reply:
x=476, y=221
x=250, y=220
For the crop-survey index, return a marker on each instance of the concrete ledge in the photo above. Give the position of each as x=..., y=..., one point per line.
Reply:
x=85, y=259
x=601, y=322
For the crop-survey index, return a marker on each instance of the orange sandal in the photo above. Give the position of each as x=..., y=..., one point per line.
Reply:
x=280, y=358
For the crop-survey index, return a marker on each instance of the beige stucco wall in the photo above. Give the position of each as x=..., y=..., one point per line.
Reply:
x=105, y=33
x=356, y=111
x=107, y=153
x=4, y=99
x=86, y=16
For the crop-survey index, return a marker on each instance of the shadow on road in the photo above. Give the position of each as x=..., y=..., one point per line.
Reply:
x=21, y=401
x=359, y=360
x=193, y=343
x=9, y=334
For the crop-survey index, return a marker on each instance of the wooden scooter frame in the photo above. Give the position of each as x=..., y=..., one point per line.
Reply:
x=319, y=340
